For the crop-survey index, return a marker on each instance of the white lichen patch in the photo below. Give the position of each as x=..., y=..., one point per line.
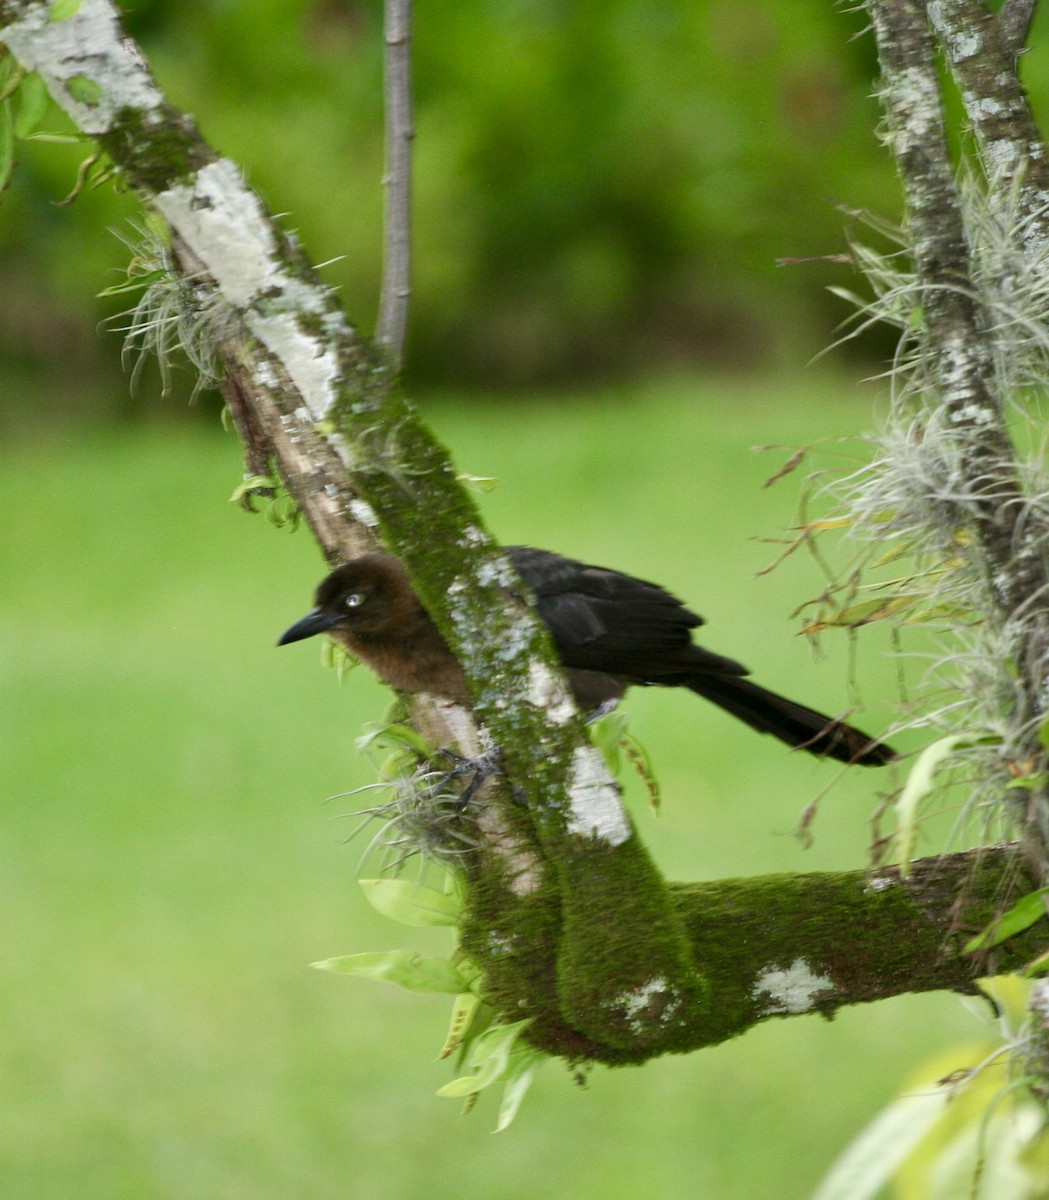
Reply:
x=880, y=883
x=472, y=536
x=499, y=945
x=313, y=369
x=88, y=46
x=496, y=572
x=967, y=45
x=1003, y=158
x=641, y=1004
x=595, y=809
x=528, y=875
x=516, y=638
x=790, y=990
x=472, y=638
x=917, y=106
x=266, y=376
x=524, y=872
x=363, y=512
x=987, y=106
x=963, y=44
x=1038, y=999
x=545, y=690
x=221, y=220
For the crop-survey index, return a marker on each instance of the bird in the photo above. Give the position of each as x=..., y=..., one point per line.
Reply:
x=610, y=630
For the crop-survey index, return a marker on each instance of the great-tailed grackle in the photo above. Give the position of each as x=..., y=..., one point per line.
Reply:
x=610, y=631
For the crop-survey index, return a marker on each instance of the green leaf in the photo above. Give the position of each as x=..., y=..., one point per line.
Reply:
x=11, y=75
x=641, y=762
x=335, y=656
x=1043, y=734
x=62, y=10
x=1037, y=966
x=870, y=1161
x=400, y=737
x=282, y=512
x=1029, y=783
x=33, y=102
x=848, y=296
x=489, y=1059
x=464, y=1012
x=920, y=782
x=85, y=90
x=136, y=284
x=607, y=734
x=412, y=903
x=1021, y=916
x=407, y=968
x=523, y=1066
x=56, y=139
x=249, y=484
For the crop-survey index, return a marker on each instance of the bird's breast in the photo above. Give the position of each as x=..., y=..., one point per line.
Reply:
x=419, y=663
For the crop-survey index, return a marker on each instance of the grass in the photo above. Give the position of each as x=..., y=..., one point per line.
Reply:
x=170, y=867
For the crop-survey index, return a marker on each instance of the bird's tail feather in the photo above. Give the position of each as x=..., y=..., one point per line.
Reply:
x=793, y=723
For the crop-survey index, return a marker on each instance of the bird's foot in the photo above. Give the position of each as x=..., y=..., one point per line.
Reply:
x=479, y=769
x=602, y=710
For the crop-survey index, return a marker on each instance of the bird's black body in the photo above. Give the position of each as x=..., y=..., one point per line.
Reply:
x=620, y=629
x=611, y=631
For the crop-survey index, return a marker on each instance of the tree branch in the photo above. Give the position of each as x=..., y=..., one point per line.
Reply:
x=970, y=460
x=1014, y=22
x=785, y=945
x=396, y=277
x=1013, y=151
x=989, y=493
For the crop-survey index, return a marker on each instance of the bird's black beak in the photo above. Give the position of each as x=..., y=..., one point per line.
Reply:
x=314, y=622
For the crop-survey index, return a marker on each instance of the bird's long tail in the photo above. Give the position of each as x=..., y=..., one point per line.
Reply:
x=793, y=723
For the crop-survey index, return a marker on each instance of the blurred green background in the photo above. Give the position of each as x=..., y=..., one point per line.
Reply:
x=602, y=193
x=172, y=863
x=601, y=189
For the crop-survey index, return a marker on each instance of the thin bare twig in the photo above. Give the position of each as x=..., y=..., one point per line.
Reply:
x=397, y=258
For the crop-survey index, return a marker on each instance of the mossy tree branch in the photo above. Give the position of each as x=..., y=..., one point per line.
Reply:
x=566, y=913
x=781, y=945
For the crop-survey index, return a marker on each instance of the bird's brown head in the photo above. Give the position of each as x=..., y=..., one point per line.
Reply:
x=364, y=598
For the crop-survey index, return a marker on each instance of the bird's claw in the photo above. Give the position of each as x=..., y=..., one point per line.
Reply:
x=602, y=710
x=481, y=768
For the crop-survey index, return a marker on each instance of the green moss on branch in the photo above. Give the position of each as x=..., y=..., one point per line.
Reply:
x=775, y=946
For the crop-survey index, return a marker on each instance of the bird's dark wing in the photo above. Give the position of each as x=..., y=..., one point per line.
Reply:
x=603, y=620
x=612, y=629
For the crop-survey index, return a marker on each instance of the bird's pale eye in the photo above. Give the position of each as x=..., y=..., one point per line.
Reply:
x=354, y=600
